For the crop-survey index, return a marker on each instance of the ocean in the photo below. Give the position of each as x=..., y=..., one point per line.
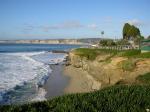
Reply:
x=24, y=69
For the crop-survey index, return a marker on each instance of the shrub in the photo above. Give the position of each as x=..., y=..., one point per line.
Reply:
x=130, y=53
x=143, y=55
x=88, y=53
x=145, y=79
x=91, y=54
x=127, y=65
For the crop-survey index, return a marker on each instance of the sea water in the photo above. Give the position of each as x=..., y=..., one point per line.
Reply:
x=24, y=69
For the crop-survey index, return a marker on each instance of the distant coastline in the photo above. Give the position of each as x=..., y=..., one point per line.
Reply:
x=85, y=41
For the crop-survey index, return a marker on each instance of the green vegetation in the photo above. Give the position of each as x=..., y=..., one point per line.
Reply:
x=130, y=31
x=102, y=33
x=107, y=42
x=122, y=42
x=118, y=98
x=145, y=79
x=91, y=54
x=112, y=99
x=88, y=53
x=143, y=55
x=130, y=53
x=111, y=43
x=127, y=65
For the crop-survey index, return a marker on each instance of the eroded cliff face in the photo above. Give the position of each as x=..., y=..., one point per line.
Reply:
x=107, y=72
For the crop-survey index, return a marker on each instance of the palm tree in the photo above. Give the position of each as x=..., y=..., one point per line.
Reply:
x=102, y=33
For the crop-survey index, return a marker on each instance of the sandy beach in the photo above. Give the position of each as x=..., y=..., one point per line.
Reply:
x=67, y=80
x=56, y=82
x=80, y=81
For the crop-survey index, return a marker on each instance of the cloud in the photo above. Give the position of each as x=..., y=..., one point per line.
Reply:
x=135, y=22
x=92, y=26
x=64, y=25
x=108, y=19
x=27, y=28
x=33, y=35
x=70, y=24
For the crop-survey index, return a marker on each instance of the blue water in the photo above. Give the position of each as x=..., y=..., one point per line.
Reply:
x=34, y=47
x=25, y=67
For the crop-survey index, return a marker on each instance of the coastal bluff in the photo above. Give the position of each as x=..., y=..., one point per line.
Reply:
x=106, y=68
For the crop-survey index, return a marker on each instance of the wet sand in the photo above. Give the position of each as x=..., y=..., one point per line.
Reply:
x=56, y=82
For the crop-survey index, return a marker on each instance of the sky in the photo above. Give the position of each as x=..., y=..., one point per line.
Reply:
x=53, y=19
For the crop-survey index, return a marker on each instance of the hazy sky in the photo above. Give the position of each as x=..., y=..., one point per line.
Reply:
x=45, y=19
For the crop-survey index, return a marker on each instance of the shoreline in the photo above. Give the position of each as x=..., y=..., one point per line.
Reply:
x=67, y=80
x=56, y=82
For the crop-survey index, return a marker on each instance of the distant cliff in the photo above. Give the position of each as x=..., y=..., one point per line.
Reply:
x=56, y=41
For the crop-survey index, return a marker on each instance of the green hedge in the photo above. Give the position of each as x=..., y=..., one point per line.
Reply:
x=112, y=99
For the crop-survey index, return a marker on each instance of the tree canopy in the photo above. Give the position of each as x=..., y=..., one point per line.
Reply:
x=107, y=42
x=122, y=42
x=130, y=31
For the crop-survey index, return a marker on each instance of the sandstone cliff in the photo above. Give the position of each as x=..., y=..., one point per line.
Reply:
x=107, y=71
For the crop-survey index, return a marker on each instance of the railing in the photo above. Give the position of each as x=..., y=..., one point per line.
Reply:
x=115, y=47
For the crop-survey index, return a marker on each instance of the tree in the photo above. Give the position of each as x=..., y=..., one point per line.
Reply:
x=110, y=43
x=122, y=42
x=107, y=42
x=102, y=33
x=126, y=30
x=130, y=32
x=103, y=42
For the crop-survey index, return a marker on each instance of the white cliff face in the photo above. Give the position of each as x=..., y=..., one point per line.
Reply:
x=52, y=41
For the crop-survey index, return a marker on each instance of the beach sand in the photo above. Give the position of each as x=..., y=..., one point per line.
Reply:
x=56, y=82
x=79, y=82
x=67, y=80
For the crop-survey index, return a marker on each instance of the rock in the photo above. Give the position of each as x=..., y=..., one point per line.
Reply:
x=96, y=85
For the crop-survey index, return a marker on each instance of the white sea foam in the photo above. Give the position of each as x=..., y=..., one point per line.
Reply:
x=17, y=68
x=40, y=95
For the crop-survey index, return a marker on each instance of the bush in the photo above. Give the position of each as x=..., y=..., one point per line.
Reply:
x=127, y=65
x=88, y=53
x=143, y=55
x=112, y=99
x=145, y=79
x=91, y=54
x=130, y=53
